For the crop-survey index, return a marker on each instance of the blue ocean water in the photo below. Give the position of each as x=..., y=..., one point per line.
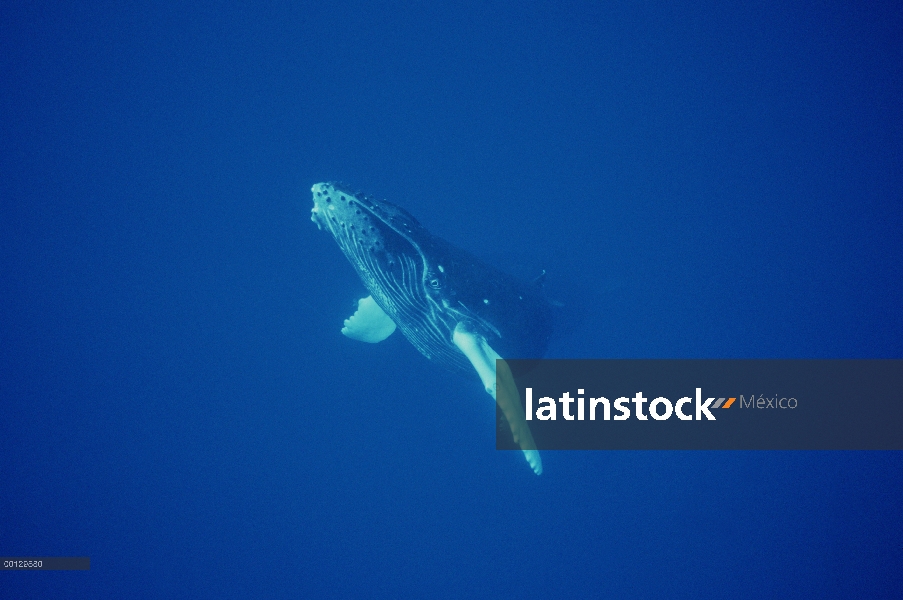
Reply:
x=699, y=179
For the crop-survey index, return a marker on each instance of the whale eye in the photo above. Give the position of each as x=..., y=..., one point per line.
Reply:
x=434, y=283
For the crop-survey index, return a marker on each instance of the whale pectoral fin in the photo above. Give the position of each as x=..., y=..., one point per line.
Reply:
x=368, y=323
x=508, y=399
x=485, y=360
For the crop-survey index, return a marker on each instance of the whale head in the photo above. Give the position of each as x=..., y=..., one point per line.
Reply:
x=399, y=263
x=373, y=234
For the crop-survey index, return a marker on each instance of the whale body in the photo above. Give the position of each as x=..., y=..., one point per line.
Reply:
x=454, y=308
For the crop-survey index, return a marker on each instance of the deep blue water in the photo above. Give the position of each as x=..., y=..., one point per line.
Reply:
x=699, y=179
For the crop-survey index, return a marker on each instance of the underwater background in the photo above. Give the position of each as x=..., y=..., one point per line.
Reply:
x=698, y=179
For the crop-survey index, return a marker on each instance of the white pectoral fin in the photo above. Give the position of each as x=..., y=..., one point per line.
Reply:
x=483, y=358
x=368, y=323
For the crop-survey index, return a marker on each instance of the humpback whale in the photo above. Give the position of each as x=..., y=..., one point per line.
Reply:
x=455, y=309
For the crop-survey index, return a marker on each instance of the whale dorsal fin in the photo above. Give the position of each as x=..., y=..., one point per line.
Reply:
x=368, y=323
